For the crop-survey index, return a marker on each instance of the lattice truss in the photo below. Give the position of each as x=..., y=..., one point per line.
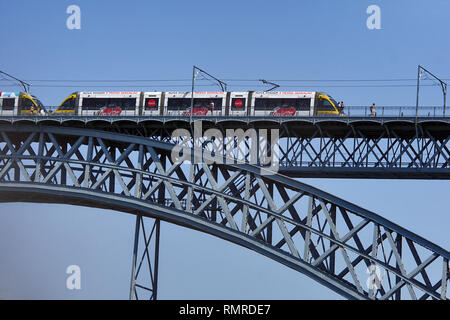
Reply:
x=322, y=148
x=355, y=149
x=352, y=251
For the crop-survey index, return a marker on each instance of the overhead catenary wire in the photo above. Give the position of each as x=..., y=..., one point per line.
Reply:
x=183, y=83
x=243, y=80
x=211, y=85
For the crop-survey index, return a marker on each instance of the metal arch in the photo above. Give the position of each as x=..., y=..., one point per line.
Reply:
x=336, y=243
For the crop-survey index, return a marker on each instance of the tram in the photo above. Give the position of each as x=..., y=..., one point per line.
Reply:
x=218, y=104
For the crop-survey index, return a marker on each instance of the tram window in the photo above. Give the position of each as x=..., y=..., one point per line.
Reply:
x=98, y=103
x=151, y=103
x=26, y=104
x=325, y=105
x=303, y=104
x=94, y=103
x=124, y=103
x=178, y=103
x=8, y=104
x=185, y=103
x=272, y=103
x=264, y=104
x=38, y=102
x=69, y=104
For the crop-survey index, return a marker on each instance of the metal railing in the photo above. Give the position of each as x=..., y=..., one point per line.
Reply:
x=348, y=112
x=394, y=111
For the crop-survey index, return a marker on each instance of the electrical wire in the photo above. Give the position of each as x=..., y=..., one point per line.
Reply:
x=185, y=83
x=243, y=80
x=213, y=85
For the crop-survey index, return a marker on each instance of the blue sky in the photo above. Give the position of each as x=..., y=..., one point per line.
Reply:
x=242, y=39
x=232, y=40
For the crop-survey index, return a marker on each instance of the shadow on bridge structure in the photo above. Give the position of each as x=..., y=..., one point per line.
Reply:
x=129, y=167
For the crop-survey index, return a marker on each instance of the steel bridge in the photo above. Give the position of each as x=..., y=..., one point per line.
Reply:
x=126, y=164
x=359, y=146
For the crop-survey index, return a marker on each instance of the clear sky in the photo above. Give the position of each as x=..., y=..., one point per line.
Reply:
x=313, y=40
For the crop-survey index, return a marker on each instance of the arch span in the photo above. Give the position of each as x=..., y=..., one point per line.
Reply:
x=350, y=250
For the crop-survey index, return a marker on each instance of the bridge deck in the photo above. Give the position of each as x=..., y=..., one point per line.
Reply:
x=301, y=127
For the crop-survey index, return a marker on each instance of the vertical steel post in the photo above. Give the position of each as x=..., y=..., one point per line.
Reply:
x=135, y=251
x=269, y=226
x=155, y=270
x=161, y=199
x=444, y=89
x=192, y=93
x=63, y=168
x=398, y=243
x=214, y=207
x=191, y=168
x=332, y=236
x=112, y=176
x=418, y=85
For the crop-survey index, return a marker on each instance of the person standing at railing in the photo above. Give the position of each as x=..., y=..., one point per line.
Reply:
x=341, y=107
x=372, y=110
